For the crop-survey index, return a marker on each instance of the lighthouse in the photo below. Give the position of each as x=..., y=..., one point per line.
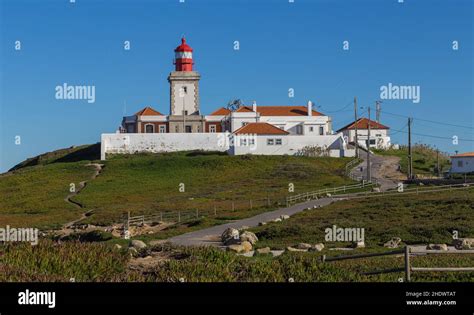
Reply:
x=184, y=92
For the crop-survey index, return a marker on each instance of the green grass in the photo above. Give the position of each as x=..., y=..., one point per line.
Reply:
x=423, y=218
x=150, y=183
x=424, y=159
x=34, y=196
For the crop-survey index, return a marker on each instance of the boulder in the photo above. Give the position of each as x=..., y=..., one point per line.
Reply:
x=464, y=243
x=230, y=236
x=292, y=249
x=284, y=217
x=317, y=247
x=137, y=244
x=247, y=247
x=437, y=247
x=249, y=237
x=277, y=220
x=237, y=248
x=263, y=251
x=262, y=223
x=117, y=246
x=305, y=246
x=328, y=195
x=376, y=189
x=393, y=243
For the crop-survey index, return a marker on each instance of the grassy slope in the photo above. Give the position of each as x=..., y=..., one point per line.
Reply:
x=150, y=183
x=34, y=195
x=424, y=159
x=423, y=218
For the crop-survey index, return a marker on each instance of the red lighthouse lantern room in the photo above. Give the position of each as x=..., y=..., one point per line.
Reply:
x=183, y=57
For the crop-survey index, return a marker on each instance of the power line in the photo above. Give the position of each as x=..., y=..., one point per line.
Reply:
x=431, y=121
x=437, y=137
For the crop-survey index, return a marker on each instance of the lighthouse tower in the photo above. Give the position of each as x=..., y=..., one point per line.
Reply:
x=184, y=90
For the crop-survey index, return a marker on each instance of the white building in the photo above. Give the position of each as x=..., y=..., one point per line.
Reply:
x=379, y=137
x=462, y=163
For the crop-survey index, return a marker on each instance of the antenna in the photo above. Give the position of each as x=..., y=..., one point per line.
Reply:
x=378, y=109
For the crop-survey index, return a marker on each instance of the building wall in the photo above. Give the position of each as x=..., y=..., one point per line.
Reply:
x=123, y=143
x=217, y=124
x=466, y=166
x=155, y=124
x=382, y=140
x=291, y=145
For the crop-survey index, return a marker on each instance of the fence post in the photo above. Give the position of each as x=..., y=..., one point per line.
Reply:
x=128, y=220
x=407, y=264
x=215, y=210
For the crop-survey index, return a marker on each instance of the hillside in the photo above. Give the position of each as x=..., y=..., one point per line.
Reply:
x=148, y=183
x=424, y=159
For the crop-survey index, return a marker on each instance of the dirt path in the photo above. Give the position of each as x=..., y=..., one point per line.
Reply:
x=82, y=185
x=385, y=169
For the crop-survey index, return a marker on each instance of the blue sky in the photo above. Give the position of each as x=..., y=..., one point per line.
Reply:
x=282, y=45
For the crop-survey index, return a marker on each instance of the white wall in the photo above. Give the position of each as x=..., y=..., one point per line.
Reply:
x=290, y=145
x=466, y=167
x=382, y=140
x=129, y=143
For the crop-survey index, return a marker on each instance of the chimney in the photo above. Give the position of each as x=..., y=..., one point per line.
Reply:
x=310, y=108
x=254, y=106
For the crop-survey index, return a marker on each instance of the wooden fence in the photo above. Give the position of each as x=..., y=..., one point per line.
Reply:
x=407, y=268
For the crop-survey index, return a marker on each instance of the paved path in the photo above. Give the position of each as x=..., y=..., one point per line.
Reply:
x=211, y=236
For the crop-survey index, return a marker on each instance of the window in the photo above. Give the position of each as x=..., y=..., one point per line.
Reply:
x=185, y=89
x=459, y=163
x=270, y=141
x=212, y=128
x=243, y=142
x=162, y=129
x=185, y=112
x=311, y=129
x=277, y=141
x=188, y=129
x=321, y=131
x=149, y=128
x=251, y=141
x=299, y=130
x=176, y=128
x=372, y=141
x=130, y=128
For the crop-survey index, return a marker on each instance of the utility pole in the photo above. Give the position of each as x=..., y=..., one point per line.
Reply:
x=437, y=162
x=356, y=138
x=369, y=177
x=410, y=157
x=378, y=109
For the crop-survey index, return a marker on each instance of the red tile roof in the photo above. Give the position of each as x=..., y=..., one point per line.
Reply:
x=220, y=112
x=148, y=111
x=260, y=129
x=467, y=154
x=280, y=110
x=363, y=123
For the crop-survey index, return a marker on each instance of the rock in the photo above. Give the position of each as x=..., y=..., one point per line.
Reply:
x=437, y=247
x=393, y=243
x=358, y=244
x=249, y=237
x=238, y=248
x=133, y=251
x=284, y=217
x=315, y=207
x=137, y=244
x=247, y=246
x=243, y=228
x=292, y=249
x=277, y=220
x=230, y=236
x=305, y=246
x=317, y=247
x=328, y=195
x=464, y=243
x=117, y=246
x=247, y=254
x=277, y=253
x=421, y=184
x=376, y=189
x=263, y=251
x=262, y=223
